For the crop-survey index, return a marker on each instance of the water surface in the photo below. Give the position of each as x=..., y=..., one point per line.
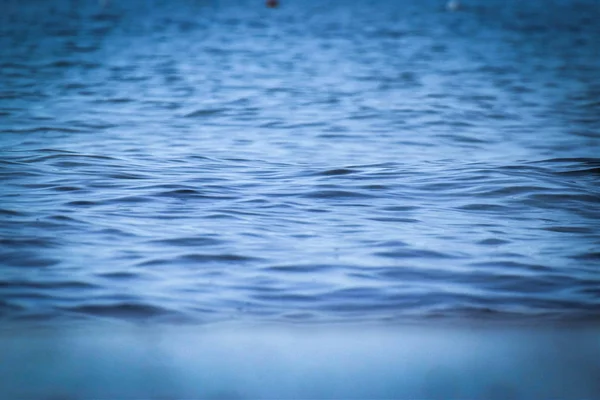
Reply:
x=344, y=199
x=326, y=161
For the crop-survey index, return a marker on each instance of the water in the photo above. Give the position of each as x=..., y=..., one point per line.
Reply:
x=353, y=162
x=301, y=364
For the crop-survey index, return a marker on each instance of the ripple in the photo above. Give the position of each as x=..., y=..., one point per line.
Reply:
x=26, y=258
x=57, y=285
x=205, y=113
x=570, y=229
x=590, y=256
x=338, y=171
x=200, y=259
x=493, y=242
x=582, y=172
x=302, y=269
x=413, y=253
x=42, y=129
x=82, y=203
x=127, y=310
x=336, y=194
x=120, y=275
x=181, y=194
x=484, y=207
x=28, y=242
x=231, y=258
x=188, y=241
x=11, y=213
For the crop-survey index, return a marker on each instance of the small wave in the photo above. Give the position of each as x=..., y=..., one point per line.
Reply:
x=7, y=307
x=300, y=269
x=582, y=161
x=43, y=129
x=337, y=172
x=549, y=199
x=336, y=194
x=200, y=259
x=82, y=203
x=26, y=258
x=127, y=176
x=485, y=207
x=590, y=256
x=11, y=213
x=120, y=275
x=232, y=258
x=395, y=219
x=582, y=172
x=67, y=188
x=66, y=157
x=286, y=298
x=188, y=241
x=514, y=190
x=181, y=194
x=128, y=200
x=116, y=100
x=55, y=285
x=493, y=242
x=128, y=310
x=27, y=242
x=570, y=229
x=205, y=112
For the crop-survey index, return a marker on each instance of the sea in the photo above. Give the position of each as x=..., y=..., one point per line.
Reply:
x=326, y=199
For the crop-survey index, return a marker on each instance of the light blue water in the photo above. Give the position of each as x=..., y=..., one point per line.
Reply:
x=325, y=162
x=301, y=363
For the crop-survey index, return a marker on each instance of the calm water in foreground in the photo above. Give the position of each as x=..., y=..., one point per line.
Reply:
x=307, y=171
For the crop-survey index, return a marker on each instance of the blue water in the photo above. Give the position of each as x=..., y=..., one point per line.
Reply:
x=359, y=364
x=324, y=162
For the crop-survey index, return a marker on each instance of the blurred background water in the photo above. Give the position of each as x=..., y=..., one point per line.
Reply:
x=299, y=363
x=327, y=161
